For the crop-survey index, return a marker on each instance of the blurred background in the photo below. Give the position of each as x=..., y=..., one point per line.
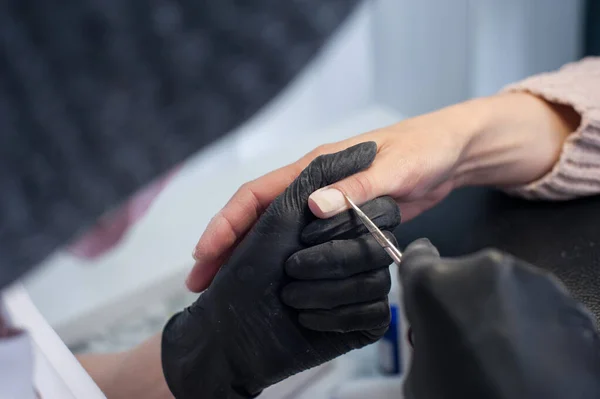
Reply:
x=391, y=60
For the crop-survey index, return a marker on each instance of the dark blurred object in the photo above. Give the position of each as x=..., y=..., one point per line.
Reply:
x=489, y=325
x=97, y=98
x=592, y=28
x=562, y=237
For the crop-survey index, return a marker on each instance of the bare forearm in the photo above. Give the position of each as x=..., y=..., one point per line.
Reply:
x=133, y=374
x=520, y=139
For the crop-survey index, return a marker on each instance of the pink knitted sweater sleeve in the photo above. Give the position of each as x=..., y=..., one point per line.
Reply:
x=577, y=172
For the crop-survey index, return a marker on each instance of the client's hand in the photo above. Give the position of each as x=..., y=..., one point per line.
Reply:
x=506, y=140
x=240, y=337
x=489, y=325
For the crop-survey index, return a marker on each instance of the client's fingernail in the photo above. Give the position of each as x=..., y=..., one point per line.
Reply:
x=329, y=201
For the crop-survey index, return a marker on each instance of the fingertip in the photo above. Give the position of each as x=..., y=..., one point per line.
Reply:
x=195, y=281
x=366, y=316
x=196, y=251
x=417, y=255
x=212, y=240
x=195, y=286
x=306, y=321
x=191, y=284
x=327, y=202
x=397, y=212
x=202, y=274
x=420, y=247
x=315, y=209
x=216, y=242
x=318, y=321
x=293, y=268
x=424, y=241
x=391, y=237
x=287, y=296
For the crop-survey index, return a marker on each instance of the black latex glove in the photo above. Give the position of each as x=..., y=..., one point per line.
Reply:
x=491, y=326
x=238, y=337
x=342, y=285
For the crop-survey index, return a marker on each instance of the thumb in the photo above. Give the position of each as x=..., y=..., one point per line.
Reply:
x=419, y=249
x=328, y=169
x=361, y=187
x=418, y=256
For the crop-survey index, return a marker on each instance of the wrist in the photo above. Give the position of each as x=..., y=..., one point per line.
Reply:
x=517, y=138
x=104, y=370
x=136, y=373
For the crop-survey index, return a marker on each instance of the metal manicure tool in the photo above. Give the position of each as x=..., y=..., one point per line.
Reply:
x=390, y=248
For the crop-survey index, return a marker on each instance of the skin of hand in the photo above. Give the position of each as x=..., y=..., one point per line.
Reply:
x=503, y=140
x=489, y=325
x=297, y=292
x=136, y=373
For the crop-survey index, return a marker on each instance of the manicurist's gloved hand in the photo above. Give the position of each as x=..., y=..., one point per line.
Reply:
x=240, y=337
x=489, y=325
x=342, y=284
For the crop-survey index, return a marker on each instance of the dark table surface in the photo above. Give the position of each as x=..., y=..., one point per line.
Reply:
x=562, y=237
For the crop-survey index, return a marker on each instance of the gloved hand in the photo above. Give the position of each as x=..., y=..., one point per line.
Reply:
x=491, y=326
x=343, y=271
x=239, y=337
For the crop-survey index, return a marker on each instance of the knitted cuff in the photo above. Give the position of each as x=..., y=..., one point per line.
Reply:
x=577, y=172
